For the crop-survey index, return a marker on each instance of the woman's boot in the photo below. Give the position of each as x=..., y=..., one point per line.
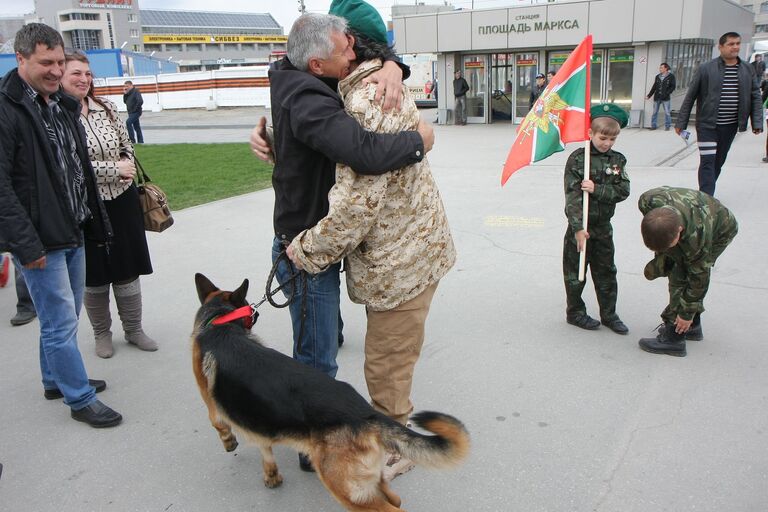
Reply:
x=128, y=299
x=96, y=302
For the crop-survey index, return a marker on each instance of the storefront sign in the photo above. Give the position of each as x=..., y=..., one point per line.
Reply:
x=107, y=4
x=528, y=26
x=211, y=39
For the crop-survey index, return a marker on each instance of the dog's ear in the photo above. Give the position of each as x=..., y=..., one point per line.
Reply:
x=204, y=287
x=238, y=296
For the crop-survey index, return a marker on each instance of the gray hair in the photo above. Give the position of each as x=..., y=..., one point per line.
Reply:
x=310, y=38
x=33, y=34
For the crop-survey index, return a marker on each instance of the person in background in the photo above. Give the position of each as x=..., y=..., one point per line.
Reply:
x=537, y=89
x=550, y=75
x=460, y=90
x=49, y=204
x=25, y=309
x=727, y=94
x=662, y=88
x=127, y=257
x=758, y=65
x=133, y=103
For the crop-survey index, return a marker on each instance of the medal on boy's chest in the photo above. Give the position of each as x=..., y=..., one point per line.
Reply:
x=614, y=170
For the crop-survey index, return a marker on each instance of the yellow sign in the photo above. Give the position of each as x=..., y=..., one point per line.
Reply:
x=211, y=39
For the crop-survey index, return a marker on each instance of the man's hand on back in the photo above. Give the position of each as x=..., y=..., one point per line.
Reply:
x=427, y=135
x=259, y=143
x=389, y=84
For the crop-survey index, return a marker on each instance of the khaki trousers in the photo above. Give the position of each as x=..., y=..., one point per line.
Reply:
x=392, y=346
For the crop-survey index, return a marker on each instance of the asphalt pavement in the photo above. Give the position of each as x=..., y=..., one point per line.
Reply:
x=561, y=419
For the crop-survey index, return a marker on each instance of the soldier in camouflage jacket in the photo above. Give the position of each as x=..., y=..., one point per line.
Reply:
x=688, y=230
x=608, y=184
x=393, y=231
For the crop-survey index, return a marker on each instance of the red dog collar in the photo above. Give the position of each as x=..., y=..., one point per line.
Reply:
x=247, y=313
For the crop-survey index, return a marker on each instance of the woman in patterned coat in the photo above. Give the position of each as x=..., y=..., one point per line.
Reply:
x=121, y=262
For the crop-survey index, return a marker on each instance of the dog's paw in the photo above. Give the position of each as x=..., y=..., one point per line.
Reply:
x=272, y=481
x=230, y=444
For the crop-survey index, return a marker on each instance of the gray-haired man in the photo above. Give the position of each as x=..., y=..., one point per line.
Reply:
x=312, y=132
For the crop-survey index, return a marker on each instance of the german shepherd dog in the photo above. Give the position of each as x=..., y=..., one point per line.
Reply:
x=269, y=398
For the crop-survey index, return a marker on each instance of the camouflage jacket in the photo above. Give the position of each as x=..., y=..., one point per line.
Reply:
x=708, y=227
x=392, y=229
x=608, y=171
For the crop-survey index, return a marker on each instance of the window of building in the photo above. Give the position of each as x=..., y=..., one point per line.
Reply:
x=172, y=47
x=685, y=56
x=132, y=18
x=152, y=47
x=764, y=7
x=134, y=32
x=85, y=39
x=194, y=47
x=136, y=47
x=761, y=29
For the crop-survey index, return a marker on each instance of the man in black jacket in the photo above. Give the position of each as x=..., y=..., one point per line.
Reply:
x=133, y=102
x=727, y=94
x=661, y=90
x=48, y=203
x=460, y=90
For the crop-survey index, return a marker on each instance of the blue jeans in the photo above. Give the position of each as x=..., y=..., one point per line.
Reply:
x=133, y=124
x=320, y=332
x=713, y=150
x=57, y=292
x=667, y=113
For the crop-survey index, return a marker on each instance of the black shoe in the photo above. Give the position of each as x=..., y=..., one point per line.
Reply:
x=666, y=342
x=305, y=464
x=765, y=159
x=23, y=317
x=55, y=394
x=616, y=326
x=652, y=128
x=584, y=321
x=97, y=415
x=666, y=128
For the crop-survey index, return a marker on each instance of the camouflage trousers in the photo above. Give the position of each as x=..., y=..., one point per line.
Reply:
x=600, y=253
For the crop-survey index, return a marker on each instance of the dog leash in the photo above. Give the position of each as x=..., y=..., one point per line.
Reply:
x=269, y=292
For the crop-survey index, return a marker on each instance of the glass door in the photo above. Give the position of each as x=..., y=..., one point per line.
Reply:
x=526, y=68
x=476, y=74
x=501, y=87
x=597, y=78
x=621, y=63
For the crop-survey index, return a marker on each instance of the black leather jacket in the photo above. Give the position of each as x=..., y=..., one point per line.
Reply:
x=705, y=91
x=35, y=215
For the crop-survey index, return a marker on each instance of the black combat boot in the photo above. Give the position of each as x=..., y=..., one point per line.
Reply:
x=666, y=342
x=695, y=333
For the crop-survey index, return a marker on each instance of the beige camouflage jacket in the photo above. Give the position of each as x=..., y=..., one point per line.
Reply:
x=392, y=229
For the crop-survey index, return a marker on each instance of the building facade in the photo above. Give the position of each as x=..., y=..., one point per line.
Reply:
x=500, y=51
x=194, y=40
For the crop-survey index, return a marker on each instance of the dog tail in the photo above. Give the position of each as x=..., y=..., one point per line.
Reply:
x=447, y=448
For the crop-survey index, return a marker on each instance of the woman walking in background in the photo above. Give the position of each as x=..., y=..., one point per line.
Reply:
x=127, y=257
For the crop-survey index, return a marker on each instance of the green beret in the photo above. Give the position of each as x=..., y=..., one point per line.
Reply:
x=611, y=110
x=361, y=17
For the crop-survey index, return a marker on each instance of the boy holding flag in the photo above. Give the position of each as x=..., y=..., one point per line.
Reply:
x=607, y=184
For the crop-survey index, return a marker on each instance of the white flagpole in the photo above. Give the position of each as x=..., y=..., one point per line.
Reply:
x=585, y=211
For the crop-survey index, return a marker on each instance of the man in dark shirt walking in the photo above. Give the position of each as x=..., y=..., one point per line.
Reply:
x=662, y=88
x=133, y=102
x=460, y=90
x=726, y=93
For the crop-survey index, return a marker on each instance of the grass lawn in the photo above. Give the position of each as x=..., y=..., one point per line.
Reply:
x=193, y=174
